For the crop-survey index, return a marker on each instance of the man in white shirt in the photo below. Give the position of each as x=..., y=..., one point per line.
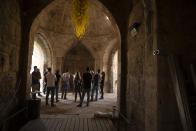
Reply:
x=65, y=84
x=51, y=78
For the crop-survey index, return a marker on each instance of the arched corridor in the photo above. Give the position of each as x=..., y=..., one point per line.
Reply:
x=61, y=50
x=155, y=73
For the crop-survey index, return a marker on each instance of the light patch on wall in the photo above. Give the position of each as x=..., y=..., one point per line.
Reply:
x=38, y=59
x=107, y=17
x=115, y=72
x=133, y=32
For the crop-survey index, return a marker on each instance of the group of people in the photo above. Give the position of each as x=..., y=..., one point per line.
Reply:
x=89, y=83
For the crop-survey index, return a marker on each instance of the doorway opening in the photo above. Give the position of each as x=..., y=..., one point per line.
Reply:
x=38, y=60
x=71, y=54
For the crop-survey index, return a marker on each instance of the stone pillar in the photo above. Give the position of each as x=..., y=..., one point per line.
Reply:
x=123, y=65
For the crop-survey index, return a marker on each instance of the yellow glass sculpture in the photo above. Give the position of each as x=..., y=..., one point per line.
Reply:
x=79, y=16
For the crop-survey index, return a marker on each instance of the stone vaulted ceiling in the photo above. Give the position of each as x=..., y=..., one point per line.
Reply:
x=55, y=22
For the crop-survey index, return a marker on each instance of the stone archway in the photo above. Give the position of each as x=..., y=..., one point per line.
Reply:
x=77, y=59
x=142, y=82
x=46, y=47
x=30, y=12
x=107, y=63
x=98, y=40
x=42, y=55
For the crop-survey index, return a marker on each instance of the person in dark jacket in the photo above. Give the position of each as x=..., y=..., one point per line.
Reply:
x=87, y=78
x=58, y=76
x=35, y=80
x=45, y=81
x=102, y=84
x=96, y=80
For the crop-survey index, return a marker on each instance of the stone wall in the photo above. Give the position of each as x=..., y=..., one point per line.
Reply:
x=77, y=59
x=147, y=97
x=150, y=95
x=176, y=29
x=135, y=76
x=10, y=30
x=150, y=66
x=149, y=85
x=168, y=25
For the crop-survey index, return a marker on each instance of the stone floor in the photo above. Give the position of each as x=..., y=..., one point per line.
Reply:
x=70, y=123
x=66, y=116
x=70, y=107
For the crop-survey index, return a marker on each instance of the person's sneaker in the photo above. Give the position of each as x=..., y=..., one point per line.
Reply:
x=79, y=105
x=91, y=100
x=87, y=104
x=101, y=98
x=47, y=104
x=57, y=101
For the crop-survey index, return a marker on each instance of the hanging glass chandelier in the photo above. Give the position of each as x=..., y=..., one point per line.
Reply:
x=79, y=16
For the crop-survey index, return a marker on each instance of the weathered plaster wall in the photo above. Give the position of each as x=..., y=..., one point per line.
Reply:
x=149, y=88
x=135, y=99
x=10, y=36
x=107, y=59
x=148, y=97
x=150, y=66
x=149, y=91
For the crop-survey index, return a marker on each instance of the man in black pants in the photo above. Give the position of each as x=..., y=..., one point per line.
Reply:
x=58, y=76
x=38, y=70
x=102, y=84
x=87, y=77
x=51, y=78
x=35, y=80
x=96, y=80
x=45, y=81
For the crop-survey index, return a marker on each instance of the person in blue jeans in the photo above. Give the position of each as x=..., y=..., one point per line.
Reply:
x=96, y=80
x=87, y=78
x=58, y=76
x=51, y=78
